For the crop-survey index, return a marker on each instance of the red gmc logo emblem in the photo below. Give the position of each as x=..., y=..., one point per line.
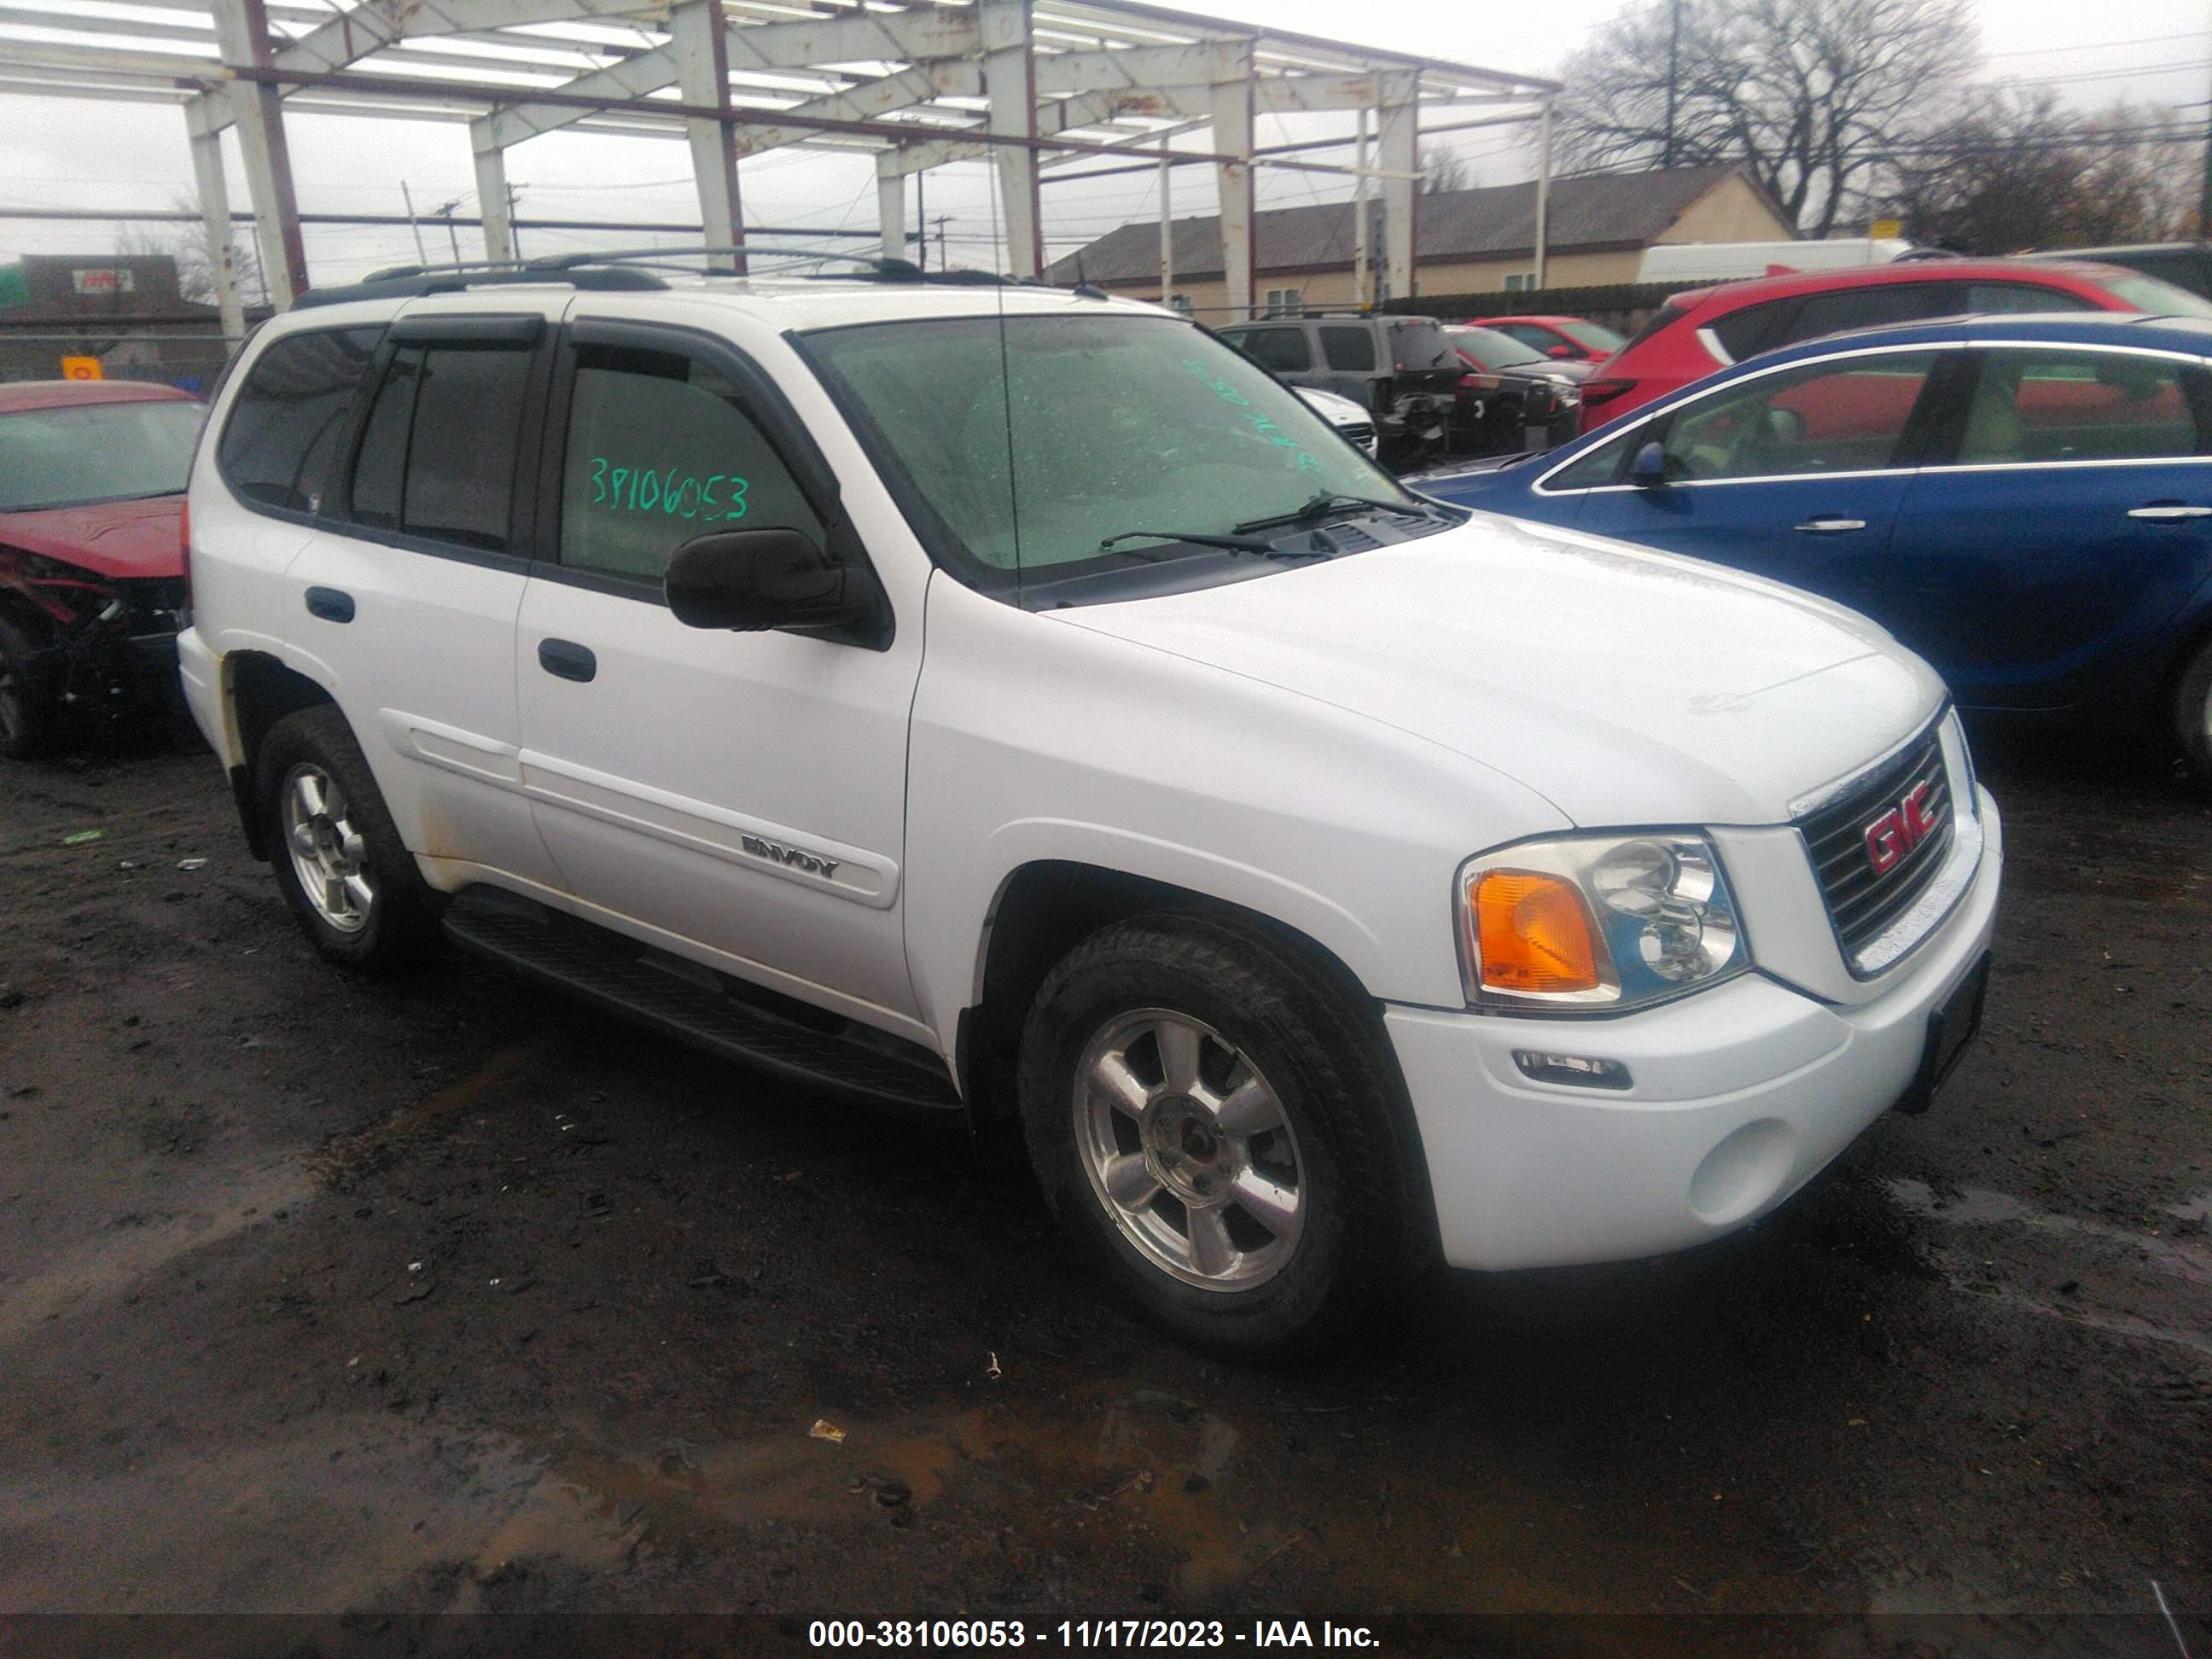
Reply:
x=1899, y=829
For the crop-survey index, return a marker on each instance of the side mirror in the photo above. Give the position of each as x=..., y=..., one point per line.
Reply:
x=1562, y=351
x=1648, y=470
x=754, y=580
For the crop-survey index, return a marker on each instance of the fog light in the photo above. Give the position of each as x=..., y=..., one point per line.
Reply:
x=1578, y=1070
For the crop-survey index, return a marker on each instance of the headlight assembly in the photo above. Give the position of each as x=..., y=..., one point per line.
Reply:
x=1590, y=924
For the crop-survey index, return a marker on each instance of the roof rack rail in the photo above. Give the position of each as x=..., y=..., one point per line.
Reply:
x=626, y=270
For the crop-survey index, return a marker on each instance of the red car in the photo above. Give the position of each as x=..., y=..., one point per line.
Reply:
x=1706, y=329
x=92, y=567
x=1563, y=339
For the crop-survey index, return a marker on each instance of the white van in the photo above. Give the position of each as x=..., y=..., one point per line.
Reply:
x=1681, y=263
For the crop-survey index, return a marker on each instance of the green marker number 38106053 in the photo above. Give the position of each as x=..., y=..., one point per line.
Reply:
x=676, y=494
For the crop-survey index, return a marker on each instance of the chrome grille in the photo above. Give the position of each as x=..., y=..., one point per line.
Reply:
x=1862, y=898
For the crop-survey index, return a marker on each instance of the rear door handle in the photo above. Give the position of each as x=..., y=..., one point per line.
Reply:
x=331, y=604
x=2169, y=512
x=566, y=660
x=1829, y=527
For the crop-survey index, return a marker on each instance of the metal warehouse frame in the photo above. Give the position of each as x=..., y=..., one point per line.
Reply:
x=1031, y=84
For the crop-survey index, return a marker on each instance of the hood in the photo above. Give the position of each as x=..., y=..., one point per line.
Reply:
x=1336, y=410
x=109, y=538
x=1466, y=481
x=1627, y=687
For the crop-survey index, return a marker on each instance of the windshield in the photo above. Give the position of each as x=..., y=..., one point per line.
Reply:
x=1494, y=350
x=2159, y=299
x=1593, y=336
x=1115, y=424
x=96, y=452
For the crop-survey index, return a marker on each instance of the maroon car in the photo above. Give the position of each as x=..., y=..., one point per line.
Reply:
x=92, y=564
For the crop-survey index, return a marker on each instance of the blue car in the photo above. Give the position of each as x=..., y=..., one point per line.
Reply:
x=2026, y=501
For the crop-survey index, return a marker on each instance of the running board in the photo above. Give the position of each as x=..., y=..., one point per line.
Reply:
x=709, y=1011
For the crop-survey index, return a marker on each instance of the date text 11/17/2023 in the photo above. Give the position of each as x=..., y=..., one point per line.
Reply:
x=1086, y=1633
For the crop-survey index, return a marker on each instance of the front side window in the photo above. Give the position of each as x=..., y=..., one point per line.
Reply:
x=437, y=452
x=285, y=427
x=2054, y=405
x=1846, y=416
x=1035, y=441
x=86, y=452
x=1598, y=466
x=1349, y=350
x=1868, y=306
x=659, y=451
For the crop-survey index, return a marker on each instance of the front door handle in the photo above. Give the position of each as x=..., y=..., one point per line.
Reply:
x=2169, y=512
x=567, y=660
x=331, y=604
x=1829, y=527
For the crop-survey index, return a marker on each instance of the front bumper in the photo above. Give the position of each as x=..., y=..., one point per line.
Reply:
x=1741, y=1093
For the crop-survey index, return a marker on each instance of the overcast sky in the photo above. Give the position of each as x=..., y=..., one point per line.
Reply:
x=68, y=153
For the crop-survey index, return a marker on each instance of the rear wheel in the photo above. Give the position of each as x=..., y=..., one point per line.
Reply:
x=1212, y=1120
x=2192, y=714
x=339, y=861
x=30, y=713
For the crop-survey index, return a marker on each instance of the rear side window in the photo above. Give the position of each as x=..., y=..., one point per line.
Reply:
x=2060, y=406
x=437, y=453
x=1872, y=307
x=281, y=436
x=1350, y=350
x=1283, y=349
x=1665, y=317
x=659, y=451
x=1747, y=332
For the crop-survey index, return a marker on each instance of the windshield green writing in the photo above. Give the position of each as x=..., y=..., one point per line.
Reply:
x=1262, y=426
x=677, y=494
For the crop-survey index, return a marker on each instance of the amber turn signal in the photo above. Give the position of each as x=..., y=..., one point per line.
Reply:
x=1534, y=934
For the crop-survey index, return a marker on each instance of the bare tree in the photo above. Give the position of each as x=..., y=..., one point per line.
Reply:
x=2017, y=170
x=1811, y=96
x=1443, y=171
x=186, y=242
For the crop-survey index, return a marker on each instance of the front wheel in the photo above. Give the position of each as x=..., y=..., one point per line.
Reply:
x=30, y=712
x=1213, y=1120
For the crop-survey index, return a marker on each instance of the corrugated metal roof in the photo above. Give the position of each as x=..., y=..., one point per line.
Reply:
x=1601, y=211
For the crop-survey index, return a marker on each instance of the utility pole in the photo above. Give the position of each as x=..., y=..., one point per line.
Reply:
x=422, y=254
x=921, y=220
x=452, y=235
x=1673, y=74
x=944, y=260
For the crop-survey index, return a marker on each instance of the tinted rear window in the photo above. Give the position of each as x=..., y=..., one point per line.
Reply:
x=1665, y=317
x=437, y=453
x=1349, y=349
x=284, y=426
x=1419, y=345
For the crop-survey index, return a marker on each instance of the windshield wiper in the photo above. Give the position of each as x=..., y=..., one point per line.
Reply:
x=1234, y=543
x=1322, y=505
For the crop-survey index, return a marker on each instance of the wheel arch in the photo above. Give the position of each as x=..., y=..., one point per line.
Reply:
x=1045, y=908
x=262, y=690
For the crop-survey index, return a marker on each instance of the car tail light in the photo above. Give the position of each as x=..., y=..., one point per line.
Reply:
x=1605, y=390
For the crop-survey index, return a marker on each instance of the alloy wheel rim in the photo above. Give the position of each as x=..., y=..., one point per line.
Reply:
x=328, y=854
x=1188, y=1150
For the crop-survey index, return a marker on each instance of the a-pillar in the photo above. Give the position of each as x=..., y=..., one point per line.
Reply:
x=1009, y=79
x=215, y=213
x=1232, y=136
x=890, y=202
x=695, y=29
x=242, y=35
x=492, y=199
x=1397, y=135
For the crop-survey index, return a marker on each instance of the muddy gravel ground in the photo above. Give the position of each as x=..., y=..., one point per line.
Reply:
x=322, y=1295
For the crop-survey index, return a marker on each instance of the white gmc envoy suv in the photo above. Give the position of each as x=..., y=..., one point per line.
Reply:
x=1003, y=699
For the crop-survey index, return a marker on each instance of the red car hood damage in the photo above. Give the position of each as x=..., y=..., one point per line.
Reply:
x=108, y=538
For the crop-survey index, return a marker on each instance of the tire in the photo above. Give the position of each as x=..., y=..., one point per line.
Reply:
x=30, y=713
x=2192, y=716
x=327, y=823
x=1282, y=1131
